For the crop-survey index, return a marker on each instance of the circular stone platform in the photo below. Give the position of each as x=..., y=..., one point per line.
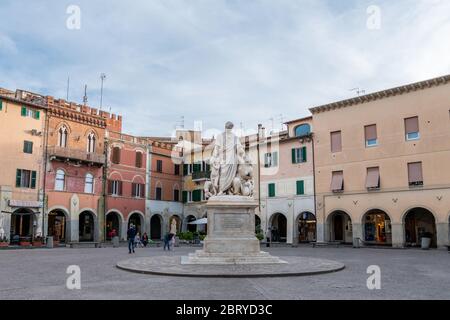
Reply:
x=171, y=266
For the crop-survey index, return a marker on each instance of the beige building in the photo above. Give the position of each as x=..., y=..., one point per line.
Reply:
x=287, y=184
x=22, y=123
x=383, y=166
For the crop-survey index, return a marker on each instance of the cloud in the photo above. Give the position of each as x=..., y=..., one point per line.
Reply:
x=245, y=61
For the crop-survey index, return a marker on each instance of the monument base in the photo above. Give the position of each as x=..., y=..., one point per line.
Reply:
x=231, y=234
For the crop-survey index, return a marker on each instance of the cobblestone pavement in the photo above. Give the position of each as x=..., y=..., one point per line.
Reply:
x=405, y=274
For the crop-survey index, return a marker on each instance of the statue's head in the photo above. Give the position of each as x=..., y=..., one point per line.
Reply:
x=229, y=125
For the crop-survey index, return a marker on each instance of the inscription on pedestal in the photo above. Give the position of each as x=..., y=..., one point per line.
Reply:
x=230, y=222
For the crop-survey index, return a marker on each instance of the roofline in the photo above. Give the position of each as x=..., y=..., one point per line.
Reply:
x=19, y=101
x=300, y=119
x=383, y=94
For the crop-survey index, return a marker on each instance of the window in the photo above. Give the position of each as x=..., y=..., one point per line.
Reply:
x=336, y=141
x=28, y=147
x=91, y=143
x=300, y=187
x=158, y=193
x=271, y=159
x=1, y=105
x=159, y=165
x=25, y=179
x=185, y=169
x=115, y=187
x=370, y=133
x=299, y=155
x=60, y=180
x=373, y=178
x=184, y=196
x=302, y=130
x=62, y=137
x=27, y=112
x=177, y=169
x=138, y=159
x=271, y=187
x=89, y=184
x=415, y=177
x=137, y=190
x=412, y=128
x=197, y=195
x=196, y=167
x=116, y=155
x=176, y=195
x=337, y=181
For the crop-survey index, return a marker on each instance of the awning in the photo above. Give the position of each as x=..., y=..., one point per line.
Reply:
x=337, y=181
x=25, y=204
x=373, y=178
x=200, y=221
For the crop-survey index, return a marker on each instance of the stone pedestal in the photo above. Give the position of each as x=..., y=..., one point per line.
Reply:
x=231, y=234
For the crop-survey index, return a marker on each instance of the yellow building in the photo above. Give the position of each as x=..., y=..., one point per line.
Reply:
x=382, y=166
x=22, y=124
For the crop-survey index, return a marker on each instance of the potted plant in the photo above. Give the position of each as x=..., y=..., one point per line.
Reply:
x=426, y=240
x=37, y=242
x=25, y=242
x=3, y=242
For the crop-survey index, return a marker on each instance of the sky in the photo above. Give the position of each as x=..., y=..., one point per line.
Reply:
x=247, y=61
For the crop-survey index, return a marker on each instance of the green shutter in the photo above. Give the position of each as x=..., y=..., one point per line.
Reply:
x=1, y=105
x=271, y=190
x=304, y=154
x=18, y=178
x=185, y=169
x=33, y=179
x=300, y=187
x=197, y=195
x=37, y=115
x=24, y=112
x=197, y=167
x=185, y=196
x=293, y=156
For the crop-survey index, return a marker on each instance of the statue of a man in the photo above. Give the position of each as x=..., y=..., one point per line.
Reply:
x=228, y=152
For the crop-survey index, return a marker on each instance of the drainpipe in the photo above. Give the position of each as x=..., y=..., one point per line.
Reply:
x=104, y=191
x=314, y=184
x=45, y=155
x=259, y=167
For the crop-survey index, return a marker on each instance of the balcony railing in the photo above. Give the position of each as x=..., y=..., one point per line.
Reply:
x=201, y=175
x=75, y=155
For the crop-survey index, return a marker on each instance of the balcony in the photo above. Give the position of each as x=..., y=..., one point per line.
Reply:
x=201, y=175
x=68, y=154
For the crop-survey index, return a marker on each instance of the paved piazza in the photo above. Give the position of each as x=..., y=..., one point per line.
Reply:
x=405, y=274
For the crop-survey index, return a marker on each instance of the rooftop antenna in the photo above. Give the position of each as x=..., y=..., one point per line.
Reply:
x=281, y=121
x=272, y=120
x=85, y=99
x=182, y=122
x=68, y=86
x=358, y=91
x=102, y=77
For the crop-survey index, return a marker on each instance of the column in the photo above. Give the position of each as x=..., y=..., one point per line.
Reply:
x=357, y=234
x=442, y=234
x=398, y=235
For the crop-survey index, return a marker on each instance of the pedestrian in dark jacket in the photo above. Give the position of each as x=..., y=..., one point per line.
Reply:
x=167, y=239
x=131, y=235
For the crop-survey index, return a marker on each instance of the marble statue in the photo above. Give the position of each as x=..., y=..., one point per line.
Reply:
x=231, y=169
x=173, y=227
x=2, y=218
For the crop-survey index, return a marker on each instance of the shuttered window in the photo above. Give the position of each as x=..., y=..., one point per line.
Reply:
x=158, y=194
x=28, y=147
x=1, y=105
x=415, y=176
x=138, y=159
x=185, y=196
x=197, y=195
x=26, y=179
x=412, y=128
x=271, y=190
x=177, y=169
x=115, y=187
x=336, y=141
x=370, y=133
x=300, y=187
x=337, y=181
x=116, y=155
x=159, y=165
x=373, y=178
x=176, y=195
x=299, y=155
x=185, y=169
x=271, y=159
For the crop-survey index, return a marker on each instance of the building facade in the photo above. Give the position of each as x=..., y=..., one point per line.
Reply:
x=287, y=184
x=22, y=126
x=75, y=160
x=125, y=184
x=382, y=166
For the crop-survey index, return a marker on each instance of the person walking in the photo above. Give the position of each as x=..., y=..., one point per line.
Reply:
x=167, y=240
x=131, y=234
